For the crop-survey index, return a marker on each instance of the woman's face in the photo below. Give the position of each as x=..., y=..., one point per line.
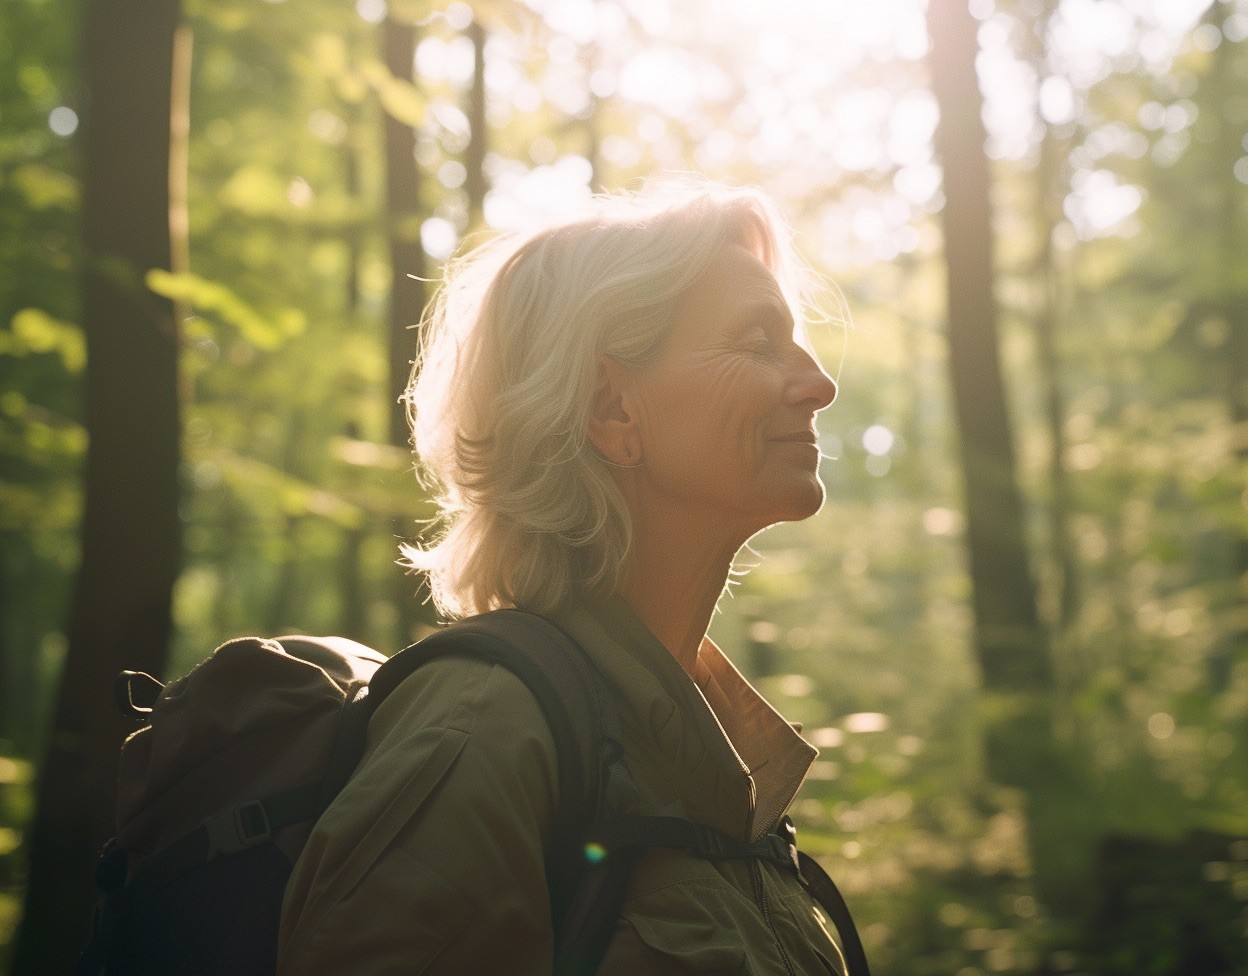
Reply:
x=726, y=412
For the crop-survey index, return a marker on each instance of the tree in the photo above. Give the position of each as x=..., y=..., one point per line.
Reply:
x=407, y=267
x=1011, y=644
x=1010, y=641
x=476, y=185
x=1051, y=186
x=120, y=614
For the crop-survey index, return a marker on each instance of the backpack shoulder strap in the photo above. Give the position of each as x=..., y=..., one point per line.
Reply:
x=579, y=712
x=829, y=896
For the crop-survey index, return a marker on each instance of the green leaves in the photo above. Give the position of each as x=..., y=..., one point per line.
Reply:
x=45, y=188
x=34, y=331
x=215, y=300
x=399, y=98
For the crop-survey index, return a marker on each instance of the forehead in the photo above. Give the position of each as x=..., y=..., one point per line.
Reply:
x=735, y=284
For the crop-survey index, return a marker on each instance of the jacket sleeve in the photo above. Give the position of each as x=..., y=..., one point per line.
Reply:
x=431, y=860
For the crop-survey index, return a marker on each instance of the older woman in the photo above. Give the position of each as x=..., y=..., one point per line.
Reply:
x=609, y=409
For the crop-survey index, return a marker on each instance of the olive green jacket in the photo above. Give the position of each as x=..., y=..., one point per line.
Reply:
x=431, y=859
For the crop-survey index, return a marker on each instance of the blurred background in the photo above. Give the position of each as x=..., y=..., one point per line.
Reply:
x=1018, y=631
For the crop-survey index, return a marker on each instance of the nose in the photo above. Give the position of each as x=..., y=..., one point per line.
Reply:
x=809, y=386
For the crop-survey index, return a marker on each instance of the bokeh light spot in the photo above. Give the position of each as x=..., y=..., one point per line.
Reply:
x=878, y=440
x=1161, y=725
x=63, y=120
x=371, y=11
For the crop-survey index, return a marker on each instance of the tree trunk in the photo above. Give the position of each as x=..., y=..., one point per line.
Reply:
x=120, y=614
x=1047, y=326
x=593, y=121
x=283, y=610
x=1016, y=717
x=1011, y=644
x=1050, y=190
x=1229, y=221
x=476, y=185
x=407, y=293
x=353, y=617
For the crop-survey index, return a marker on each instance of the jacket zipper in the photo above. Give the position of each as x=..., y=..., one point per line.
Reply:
x=756, y=875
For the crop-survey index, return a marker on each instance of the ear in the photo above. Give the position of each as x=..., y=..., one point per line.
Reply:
x=613, y=427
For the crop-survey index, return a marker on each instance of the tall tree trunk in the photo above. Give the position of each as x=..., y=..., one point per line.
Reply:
x=476, y=185
x=1047, y=326
x=407, y=293
x=283, y=610
x=1011, y=644
x=591, y=56
x=120, y=614
x=353, y=616
x=1229, y=221
x=1050, y=188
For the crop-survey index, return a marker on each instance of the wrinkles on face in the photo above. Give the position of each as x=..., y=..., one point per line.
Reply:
x=712, y=404
x=703, y=407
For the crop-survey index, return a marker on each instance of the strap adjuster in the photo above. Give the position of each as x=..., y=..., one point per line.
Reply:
x=782, y=852
x=237, y=828
x=711, y=842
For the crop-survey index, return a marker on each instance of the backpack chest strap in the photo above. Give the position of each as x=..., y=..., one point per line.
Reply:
x=631, y=835
x=623, y=832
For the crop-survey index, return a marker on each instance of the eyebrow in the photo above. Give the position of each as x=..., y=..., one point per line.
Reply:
x=774, y=303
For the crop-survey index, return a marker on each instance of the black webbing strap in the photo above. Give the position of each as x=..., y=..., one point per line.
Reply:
x=640, y=832
x=228, y=831
x=825, y=892
x=634, y=834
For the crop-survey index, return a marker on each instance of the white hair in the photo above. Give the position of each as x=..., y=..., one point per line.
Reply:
x=499, y=397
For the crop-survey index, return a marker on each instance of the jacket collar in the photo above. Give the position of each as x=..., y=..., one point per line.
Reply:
x=713, y=751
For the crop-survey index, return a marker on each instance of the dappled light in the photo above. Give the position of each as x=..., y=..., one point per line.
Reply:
x=1017, y=630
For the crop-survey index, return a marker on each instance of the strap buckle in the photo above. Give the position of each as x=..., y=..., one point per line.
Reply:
x=237, y=828
x=782, y=853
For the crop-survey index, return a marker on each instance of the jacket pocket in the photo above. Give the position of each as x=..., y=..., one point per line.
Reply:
x=401, y=809
x=330, y=870
x=689, y=927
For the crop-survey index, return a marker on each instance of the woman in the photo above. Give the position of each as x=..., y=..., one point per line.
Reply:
x=609, y=408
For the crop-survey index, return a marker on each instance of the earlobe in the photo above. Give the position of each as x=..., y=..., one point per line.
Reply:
x=612, y=424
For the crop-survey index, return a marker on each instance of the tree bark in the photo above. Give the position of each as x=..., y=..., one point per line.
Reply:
x=476, y=185
x=403, y=219
x=1050, y=190
x=353, y=618
x=1011, y=644
x=407, y=294
x=120, y=613
x=1229, y=221
x=1047, y=327
x=1015, y=710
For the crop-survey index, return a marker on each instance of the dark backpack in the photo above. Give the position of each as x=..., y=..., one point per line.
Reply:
x=219, y=790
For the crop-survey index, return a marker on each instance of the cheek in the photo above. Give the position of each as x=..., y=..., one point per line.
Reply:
x=711, y=421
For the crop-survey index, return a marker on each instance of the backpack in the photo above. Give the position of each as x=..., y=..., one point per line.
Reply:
x=220, y=787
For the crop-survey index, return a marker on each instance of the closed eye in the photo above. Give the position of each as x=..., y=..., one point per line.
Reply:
x=757, y=340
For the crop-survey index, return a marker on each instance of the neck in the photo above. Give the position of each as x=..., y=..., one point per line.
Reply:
x=676, y=572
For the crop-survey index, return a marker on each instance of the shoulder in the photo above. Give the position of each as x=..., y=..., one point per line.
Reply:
x=456, y=789
x=486, y=703
x=444, y=824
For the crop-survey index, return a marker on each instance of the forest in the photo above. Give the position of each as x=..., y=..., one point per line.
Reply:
x=1018, y=629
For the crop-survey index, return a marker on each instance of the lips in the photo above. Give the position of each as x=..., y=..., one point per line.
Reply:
x=802, y=437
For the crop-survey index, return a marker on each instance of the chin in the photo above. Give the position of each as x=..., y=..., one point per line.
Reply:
x=798, y=502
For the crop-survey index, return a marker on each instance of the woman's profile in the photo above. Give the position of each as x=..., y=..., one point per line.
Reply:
x=607, y=410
